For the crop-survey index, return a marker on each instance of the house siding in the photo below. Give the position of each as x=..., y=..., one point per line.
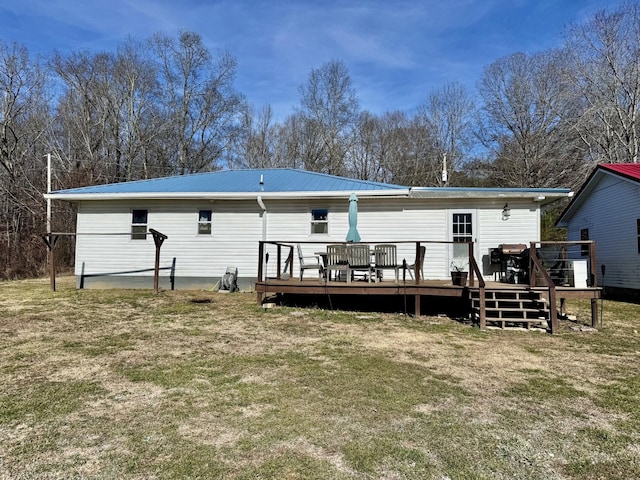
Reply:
x=610, y=213
x=188, y=259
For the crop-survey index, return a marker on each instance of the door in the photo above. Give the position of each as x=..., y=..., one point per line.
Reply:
x=462, y=229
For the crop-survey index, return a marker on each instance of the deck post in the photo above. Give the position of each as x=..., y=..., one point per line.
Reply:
x=593, y=276
x=471, y=270
x=532, y=272
x=417, y=305
x=279, y=260
x=553, y=310
x=483, y=308
x=419, y=261
x=594, y=312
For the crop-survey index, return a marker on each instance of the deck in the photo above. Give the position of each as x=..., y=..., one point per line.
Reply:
x=487, y=301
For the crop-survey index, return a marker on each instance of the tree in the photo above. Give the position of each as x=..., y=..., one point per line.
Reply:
x=107, y=119
x=255, y=145
x=604, y=55
x=201, y=105
x=449, y=112
x=526, y=121
x=329, y=109
x=24, y=119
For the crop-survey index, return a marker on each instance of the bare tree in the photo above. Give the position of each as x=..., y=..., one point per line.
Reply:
x=524, y=122
x=604, y=55
x=255, y=145
x=202, y=107
x=24, y=118
x=449, y=112
x=329, y=108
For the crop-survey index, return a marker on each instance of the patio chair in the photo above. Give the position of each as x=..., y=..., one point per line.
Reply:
x=359, y=258
x=420, y=262
x=386, y=258
x=309, y=263
x=336, y=261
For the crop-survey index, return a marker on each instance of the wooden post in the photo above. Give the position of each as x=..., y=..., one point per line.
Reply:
x=417, y=305
x=594, y=312
x=50, y=240
x=158, y=239
x=471, y=270
x=483, y=307
x=553, y=310
x=593, y=270
x=279, y=261
x=532, y=271
x=418, y=262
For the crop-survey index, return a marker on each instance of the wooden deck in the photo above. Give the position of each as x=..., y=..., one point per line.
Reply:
x=485, y=301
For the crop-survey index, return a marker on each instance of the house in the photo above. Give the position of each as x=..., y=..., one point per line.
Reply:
x=607, y=209
x=216, y=220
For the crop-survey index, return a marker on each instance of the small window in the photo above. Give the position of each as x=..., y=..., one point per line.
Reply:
x=204, y=222
x=584, y=235
x=319, y=221
x=139, y=225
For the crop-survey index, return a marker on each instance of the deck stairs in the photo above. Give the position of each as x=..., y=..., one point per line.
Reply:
x=511, y=307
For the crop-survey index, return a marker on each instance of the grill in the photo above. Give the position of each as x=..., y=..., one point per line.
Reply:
x=513, y=259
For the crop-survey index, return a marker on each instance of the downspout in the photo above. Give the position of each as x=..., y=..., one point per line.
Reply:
x=264, y=218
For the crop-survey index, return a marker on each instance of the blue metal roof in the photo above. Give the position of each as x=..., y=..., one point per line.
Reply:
x=233, y=181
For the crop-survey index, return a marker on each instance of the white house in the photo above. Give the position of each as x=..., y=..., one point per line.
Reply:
x=607, y=209
x=216, y=220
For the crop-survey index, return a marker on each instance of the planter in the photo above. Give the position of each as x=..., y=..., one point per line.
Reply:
x=459, y=278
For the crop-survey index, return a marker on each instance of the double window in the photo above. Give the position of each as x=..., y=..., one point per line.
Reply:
x=139, y=224
x=319, y=221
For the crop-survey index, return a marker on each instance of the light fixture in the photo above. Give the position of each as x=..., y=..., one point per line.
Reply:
x=506, y=212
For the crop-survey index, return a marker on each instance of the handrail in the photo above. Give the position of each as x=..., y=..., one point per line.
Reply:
x=537, y=266
x=262, y=260
x=481, y=289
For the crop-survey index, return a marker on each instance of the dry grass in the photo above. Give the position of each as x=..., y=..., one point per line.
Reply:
x=125, y=384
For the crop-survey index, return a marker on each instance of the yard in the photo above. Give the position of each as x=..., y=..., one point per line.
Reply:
x=126, y=384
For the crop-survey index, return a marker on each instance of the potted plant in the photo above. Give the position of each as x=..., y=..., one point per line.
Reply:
x=458, y=274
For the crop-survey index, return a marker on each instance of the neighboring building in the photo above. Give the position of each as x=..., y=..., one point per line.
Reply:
x=607, y=210
x=216, y=220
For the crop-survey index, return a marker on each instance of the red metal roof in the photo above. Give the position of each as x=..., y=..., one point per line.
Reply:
x=630, y=170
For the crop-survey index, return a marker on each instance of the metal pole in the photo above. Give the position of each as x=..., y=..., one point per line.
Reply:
x=48, y=191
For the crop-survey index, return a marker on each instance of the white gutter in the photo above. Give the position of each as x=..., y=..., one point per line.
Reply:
x=222, y=195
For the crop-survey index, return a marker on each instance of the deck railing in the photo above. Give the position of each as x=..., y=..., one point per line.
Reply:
x=559, y=259
x=285, y=257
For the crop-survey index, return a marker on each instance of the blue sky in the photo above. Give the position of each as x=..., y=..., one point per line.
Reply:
x=397, y=52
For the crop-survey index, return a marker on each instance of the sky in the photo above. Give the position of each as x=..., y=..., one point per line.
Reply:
x=397, y=52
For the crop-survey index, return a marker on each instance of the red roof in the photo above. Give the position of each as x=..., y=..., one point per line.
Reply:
x=630, y=170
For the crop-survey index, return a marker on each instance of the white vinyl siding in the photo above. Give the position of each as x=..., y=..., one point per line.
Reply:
x=239, y=225
x=610, y=212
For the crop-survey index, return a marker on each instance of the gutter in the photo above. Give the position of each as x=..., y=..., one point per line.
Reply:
x=77, y=196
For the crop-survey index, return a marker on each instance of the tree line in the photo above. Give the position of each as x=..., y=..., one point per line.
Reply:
x=168, y=106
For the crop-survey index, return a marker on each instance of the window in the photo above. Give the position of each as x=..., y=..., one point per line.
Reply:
x=319, y=221
x=462, y=231
x=638, y=232
x=584, y=235
x=204, y=222
x=139, y=225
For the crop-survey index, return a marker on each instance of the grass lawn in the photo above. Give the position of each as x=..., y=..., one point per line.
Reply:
x=124, y=384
